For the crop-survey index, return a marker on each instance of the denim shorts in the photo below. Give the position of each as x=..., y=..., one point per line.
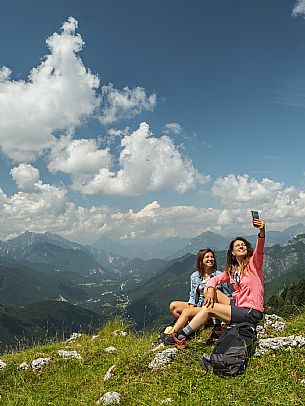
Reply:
x=245, y=314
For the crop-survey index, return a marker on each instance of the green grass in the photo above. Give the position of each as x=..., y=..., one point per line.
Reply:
x=273, y=379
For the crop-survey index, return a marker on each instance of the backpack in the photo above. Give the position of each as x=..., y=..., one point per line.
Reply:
x=232, y=350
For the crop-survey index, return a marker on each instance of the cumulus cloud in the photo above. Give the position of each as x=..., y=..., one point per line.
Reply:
x=40, y=209
x=78, y=157
x=280, y=205
x=299, y=8
x=48, y=208
x=126, y=103
x=25, y=176
x=146, y=164
x=58, y=94
x=240, y=189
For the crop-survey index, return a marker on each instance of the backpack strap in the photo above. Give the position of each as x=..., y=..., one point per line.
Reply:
x=204, y=362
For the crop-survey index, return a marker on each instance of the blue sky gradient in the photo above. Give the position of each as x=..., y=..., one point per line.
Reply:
x=221, y=86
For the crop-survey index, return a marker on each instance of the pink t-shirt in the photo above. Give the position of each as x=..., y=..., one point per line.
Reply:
x=249, y=292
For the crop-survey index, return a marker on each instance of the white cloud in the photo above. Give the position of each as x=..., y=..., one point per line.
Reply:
x=280, y=205
x=173, y=128
x=239, y=190
x=126, y=103
x=48, y=208
x=78, y=157
x=25, y=176
x=299, y=8
x=41, y=209
x=146, y=164
x=117, y=133
x=58, y=94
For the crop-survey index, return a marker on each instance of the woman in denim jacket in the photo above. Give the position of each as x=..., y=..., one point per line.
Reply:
x=244, y=269
x=206, y=268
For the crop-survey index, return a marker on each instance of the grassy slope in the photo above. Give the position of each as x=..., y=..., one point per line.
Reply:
x=269, y=380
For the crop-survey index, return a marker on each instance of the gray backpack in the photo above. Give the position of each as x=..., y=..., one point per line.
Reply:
x=232, y=350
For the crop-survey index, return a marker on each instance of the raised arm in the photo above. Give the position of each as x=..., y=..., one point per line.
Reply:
x=258, y=254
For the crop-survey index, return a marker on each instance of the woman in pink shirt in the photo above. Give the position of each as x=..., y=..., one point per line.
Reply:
x=244, y=271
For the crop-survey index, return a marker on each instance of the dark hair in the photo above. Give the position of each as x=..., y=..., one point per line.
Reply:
x=200, y=256
x=231, y=259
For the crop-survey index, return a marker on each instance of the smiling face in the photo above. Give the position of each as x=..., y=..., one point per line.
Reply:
x=208, y=260
x=240, y=249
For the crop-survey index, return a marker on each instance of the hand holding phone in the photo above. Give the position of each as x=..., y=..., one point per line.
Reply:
x=254, y=215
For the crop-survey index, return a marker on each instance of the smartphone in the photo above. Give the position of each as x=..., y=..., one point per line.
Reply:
x=254, y=215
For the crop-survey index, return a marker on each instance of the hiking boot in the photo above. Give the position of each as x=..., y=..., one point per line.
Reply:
x=158, y=341
x=168, y=339
x=179, y=343
x=172, y=339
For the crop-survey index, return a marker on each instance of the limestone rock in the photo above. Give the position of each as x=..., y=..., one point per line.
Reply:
x=162, y=358
x=24, y=366
x=109, y=398
x=69, y=354
x=109, y=373
x=278, y=343
x=39, y=363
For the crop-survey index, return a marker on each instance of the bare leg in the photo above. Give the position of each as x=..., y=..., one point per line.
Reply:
x=221, y=311
x=177, y=307
x=221, y=297
x=185, y=317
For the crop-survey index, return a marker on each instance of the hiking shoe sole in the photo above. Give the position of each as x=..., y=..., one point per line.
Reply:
x=180, y=343
x=167, y=339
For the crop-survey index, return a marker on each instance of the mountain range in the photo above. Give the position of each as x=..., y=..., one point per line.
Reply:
x=177, y=247
x=35, y=268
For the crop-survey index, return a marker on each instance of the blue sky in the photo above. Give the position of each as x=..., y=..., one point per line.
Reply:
x=143, y=120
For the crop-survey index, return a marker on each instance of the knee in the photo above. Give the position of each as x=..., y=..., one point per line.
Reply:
x=172, y=306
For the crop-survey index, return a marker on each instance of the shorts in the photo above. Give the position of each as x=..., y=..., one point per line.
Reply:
x=245, y=314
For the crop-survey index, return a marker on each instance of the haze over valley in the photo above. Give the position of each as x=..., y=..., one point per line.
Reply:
x=47, y=274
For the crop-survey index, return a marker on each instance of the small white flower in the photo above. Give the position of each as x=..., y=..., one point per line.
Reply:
x=74, y=336
x=110, y=349
x=2, y=364
x=166, y=401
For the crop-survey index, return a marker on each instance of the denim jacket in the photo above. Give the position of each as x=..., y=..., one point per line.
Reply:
x=196, y=279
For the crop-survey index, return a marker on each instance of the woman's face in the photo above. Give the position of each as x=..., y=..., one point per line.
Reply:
x=208, y=260
x=240, y=249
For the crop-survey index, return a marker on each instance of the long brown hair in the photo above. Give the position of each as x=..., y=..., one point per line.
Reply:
x=199, y=259
x=231, y=259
